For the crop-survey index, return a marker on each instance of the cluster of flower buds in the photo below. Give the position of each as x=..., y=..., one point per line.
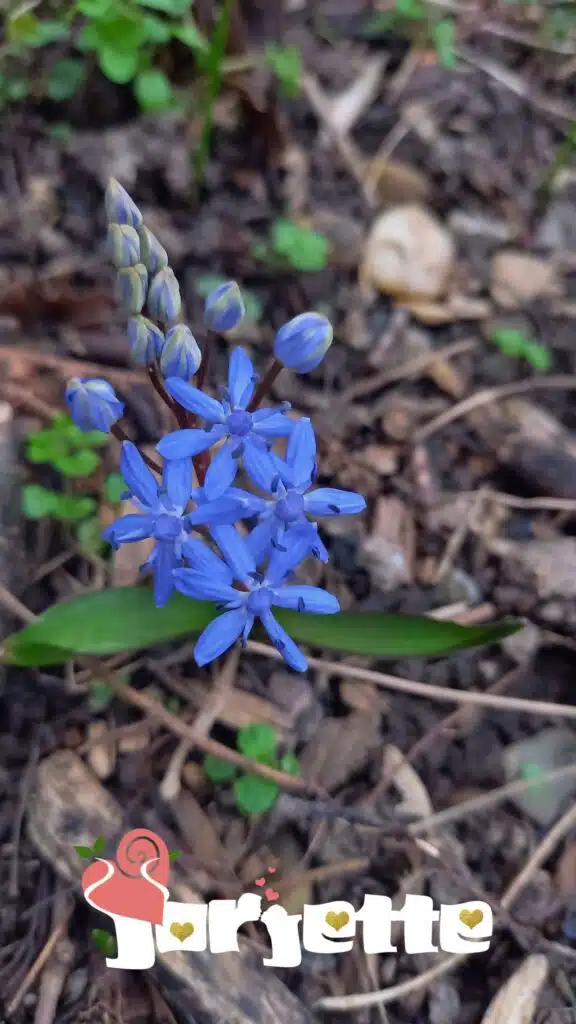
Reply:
x=245, y=576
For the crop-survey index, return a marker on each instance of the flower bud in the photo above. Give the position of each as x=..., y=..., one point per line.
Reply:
x=224, y=308
x=120, y=208
x=123, y=245
x=93, y=404
x=145, y=340
x=164, y=296
x=153, y=255
x=180, y=355
x=302, y=343
x=131, y=283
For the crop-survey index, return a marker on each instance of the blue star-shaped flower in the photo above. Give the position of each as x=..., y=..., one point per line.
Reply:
x=289, y=482
x=211, y=579
x=243, y=432
x=162, y=514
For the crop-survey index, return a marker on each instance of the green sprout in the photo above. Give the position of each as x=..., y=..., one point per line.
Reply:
x=516, y=344
x=293, y=246
x=254, y=794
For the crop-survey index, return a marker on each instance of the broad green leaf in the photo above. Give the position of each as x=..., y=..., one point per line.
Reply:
x=218, y=770
x=38, y=502
x=114, y=488
x=64, y=79
x=189, y=34
x=168, y=6
x=73, y=510
x=84, y=851
x=305, y=249
x=121, y=33
x=290, y=764
x=254, y=794
x=537, y=355
x=86, y=438
x=125, y=618
x=77, y=464
x=157, y=30
x=89, y=535
x=118, y=65
x=257, y=741
x=153, y=89
x=94, y=8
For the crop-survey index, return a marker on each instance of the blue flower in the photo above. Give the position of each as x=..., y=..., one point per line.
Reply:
x=181, y=355
x=224, y=307
x=290, y=481
x=243, y=432
x=302, y=343
x=93, y=404
x=145, y=339
x=210, y=579
x=162, y=514
x=163, y=300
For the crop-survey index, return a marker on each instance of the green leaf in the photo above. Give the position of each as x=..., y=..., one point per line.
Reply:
x=189, y=34
x=157, y=30
x=38, y=502
x=254, y=794
x=444, y=33
x=257, y=741
x=71, y=509
x=168, y=6
x=64, y=79
x=537, y=355
x=17, y=89
x=290, y=764
x=94, y=8
x=78, y=464
x=105, y=942
x=121, y=33
x=510, y=341
x=218, y=770
x=173, y=854
x=119, y=66
x=306, y=250
x=87, y=438
x=286, y=64
x=126, y=618
x=114, y=488
x=98, y=846
x=89, y=536
x=153, y=89
x=28, y=30
x=84, y=851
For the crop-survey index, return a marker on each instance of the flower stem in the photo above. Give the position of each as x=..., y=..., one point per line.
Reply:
x=205, y=364
x=265, y=384
x=121, y=435
x=158, y=385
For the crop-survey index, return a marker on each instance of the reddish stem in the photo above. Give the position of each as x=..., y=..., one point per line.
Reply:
x=158, y=385
x=123, y=436
x=265, y=384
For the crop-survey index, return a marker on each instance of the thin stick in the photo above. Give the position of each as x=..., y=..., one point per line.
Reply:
x=122, y=436
x=428, y=690
x=376, y=381
x=58, y=931
x=158, y=384
x=265, y=384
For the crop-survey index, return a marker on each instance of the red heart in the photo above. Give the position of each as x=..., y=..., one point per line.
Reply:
x=121, y=888
x=271, y=894
x=271, y=870
x=260, y=881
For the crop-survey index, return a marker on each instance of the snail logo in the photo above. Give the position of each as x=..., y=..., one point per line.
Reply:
x=131, y=890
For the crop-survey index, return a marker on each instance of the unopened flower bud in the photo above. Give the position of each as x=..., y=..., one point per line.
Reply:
x=120, y=208
x=145, y=340
x=164, y=296
x=153, y=255
x=224, y=308
x=302, y=343
x=123, y=245
x=181, y=355
x=131, y=284
x=93, y=404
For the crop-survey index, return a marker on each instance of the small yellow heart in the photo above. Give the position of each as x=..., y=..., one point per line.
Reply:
x=471, y=917
x=182, y=931
x=337, y=921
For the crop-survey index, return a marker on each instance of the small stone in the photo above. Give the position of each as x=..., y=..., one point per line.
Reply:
x=408, y=254
x=519, y=278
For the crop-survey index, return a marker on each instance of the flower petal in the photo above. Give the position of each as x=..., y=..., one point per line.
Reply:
x=164, y=562
x=329, y=501
x=182, y=444
x=203, y=559
x=260, y=467
x=221, y=473
x=240, y=378
x=236, y=552
x=128, y=529
x=288, y=649
x=139, y=479
x=221, y=512
x=204, y=588
x=219, y=636
x=277, y=425
x=194, y=400
x=177, y=479
x=251, y=504
x=306, y=599
x=260, y=538
x=301, y=451
x=298, y=543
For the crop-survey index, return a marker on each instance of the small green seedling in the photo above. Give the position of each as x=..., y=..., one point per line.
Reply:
x=516, y=344
x=286, y=63
x=254, y=794
x=293, y=246
x=415, y=20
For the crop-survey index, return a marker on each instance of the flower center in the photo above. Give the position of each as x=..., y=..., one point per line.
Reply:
x=259, y=600
x=239, y=423
x=290, y=508
x=167, y=527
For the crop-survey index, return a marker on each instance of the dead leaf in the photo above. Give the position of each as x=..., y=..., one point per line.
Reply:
x=383, y=459
x=408, y=254
x=415, y=798
x=517, y=1000
x=102, y=752
x=339, y=748
x=394, y=183
x=454, y=309
x=519, y=278
x=553, y=563
x=388, y=550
